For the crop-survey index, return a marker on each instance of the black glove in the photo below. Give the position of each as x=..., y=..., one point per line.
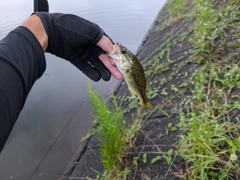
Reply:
x=74, y=39
x=40, y=6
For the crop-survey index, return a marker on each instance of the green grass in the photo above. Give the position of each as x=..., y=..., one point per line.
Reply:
x=114, y=136
x=210, y=129
x=176, y=8
x=210, y=135
x=111, y=130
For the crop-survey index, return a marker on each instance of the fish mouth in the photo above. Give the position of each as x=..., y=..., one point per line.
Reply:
x=114, y=54
x=116, y=50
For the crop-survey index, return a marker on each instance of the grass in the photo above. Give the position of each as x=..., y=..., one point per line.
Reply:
x=210, y=129
x=111, y=130
x=114, y=136
x=176, y=8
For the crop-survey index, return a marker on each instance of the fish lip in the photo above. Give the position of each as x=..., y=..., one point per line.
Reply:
x=116, y=50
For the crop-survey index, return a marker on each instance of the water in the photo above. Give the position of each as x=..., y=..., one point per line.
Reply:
x=57, y=113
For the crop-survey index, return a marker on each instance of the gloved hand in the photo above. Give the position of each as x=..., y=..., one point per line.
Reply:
x=74, y=39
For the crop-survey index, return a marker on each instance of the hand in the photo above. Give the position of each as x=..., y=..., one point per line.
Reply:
x=81, y=42
x=107, y=46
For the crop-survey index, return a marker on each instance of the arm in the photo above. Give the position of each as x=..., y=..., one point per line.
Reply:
x=34, y=24
x=22, y=62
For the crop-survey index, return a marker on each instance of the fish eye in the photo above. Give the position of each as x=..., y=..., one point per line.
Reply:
x=123, y=51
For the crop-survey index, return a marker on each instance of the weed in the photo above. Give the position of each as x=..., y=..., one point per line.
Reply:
x=157, y=158
x=169, y=156
x=175, y=7
x=164, y=92
x=114, y=135
x=208, y=140
x=135, y=160
x=209, y=137
x=111, y=130
x=144, y=158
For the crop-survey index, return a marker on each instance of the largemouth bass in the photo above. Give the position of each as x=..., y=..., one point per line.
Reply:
x=133, y=73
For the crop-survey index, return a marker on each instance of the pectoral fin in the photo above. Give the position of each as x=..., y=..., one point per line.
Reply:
x=131, y=92
x=147, y=85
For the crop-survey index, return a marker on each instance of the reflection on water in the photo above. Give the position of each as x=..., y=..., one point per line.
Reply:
x=57, y=114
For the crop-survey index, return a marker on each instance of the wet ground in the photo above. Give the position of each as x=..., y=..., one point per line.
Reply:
x=57, y=113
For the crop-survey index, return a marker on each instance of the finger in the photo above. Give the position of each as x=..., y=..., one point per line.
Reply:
x=112, y=61
x=108, y=38
x=106, y=60
x=88, y=70
x=105, y=43
x=96, y=51
x=104, y=72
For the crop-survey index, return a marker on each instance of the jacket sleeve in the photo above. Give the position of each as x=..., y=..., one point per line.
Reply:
x=22, y=62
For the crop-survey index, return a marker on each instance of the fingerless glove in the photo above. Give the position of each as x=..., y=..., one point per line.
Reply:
x=74, y=39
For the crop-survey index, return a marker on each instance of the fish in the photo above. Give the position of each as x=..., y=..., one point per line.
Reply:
x=133, y=73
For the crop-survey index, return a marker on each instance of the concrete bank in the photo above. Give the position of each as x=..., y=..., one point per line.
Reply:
x=156, y=135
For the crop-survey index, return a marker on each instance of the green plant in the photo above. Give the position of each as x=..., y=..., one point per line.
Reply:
x=169, y=156
x=170, y=127
x=111, y=130
x=114, y=136
x=176, y=7
x=157, y=158
x=208, y=134
x=135, y=160
x=144, y=158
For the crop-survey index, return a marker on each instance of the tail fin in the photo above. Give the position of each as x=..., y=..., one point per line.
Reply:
x=145, y=107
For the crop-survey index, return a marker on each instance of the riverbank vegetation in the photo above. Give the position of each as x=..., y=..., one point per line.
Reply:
x=210, y=129
x=205, y=98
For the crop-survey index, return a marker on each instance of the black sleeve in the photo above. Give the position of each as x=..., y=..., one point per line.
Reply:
x=22, y=62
